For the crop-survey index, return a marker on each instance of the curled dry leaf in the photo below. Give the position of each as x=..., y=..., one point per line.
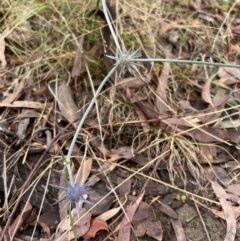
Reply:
x=96, y=226
x=206, y=94
x=148, y=110
x=45, y=228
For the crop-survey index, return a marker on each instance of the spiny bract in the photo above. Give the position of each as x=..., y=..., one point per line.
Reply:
x=124, y=60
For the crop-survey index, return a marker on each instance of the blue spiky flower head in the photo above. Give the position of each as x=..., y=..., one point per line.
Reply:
x=74, y=193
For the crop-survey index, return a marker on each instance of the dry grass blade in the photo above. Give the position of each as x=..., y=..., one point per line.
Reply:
x=78, y=59
x=2, y=52
x=23, y=104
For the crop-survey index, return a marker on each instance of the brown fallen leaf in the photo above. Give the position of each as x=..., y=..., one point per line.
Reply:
x=96, y=226
x=207, y=153
x=132, y=83
x=218, y=103
x=140, y=160
x=185, y=104
x=50, y=218
x=148, y=110
x=123, y=152
x=208, y=134
x=228, y=124
x=69, y=109
x=234, y=188
x=228, y=211
x=67, y=105
x=25, y=213
x=226, y=78
x=172, y=25
x=152, y=228
x=220, y=213
x=125, y=226
x=98, y=193
x=125, y=188
x=167, y=210
x=141, y=117
x=189, y=121
x=144, y=221
x=233, y=71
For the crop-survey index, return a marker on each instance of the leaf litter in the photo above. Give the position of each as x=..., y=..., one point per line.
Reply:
x=192, y=109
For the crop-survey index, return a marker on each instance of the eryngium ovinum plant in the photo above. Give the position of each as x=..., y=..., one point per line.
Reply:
x=125, y=60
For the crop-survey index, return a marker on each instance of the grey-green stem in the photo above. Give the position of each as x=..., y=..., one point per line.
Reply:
x=85, y=116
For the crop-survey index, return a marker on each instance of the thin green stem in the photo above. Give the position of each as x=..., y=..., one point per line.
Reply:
x=110, y=24
x=86, y=114
x=186, y=62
